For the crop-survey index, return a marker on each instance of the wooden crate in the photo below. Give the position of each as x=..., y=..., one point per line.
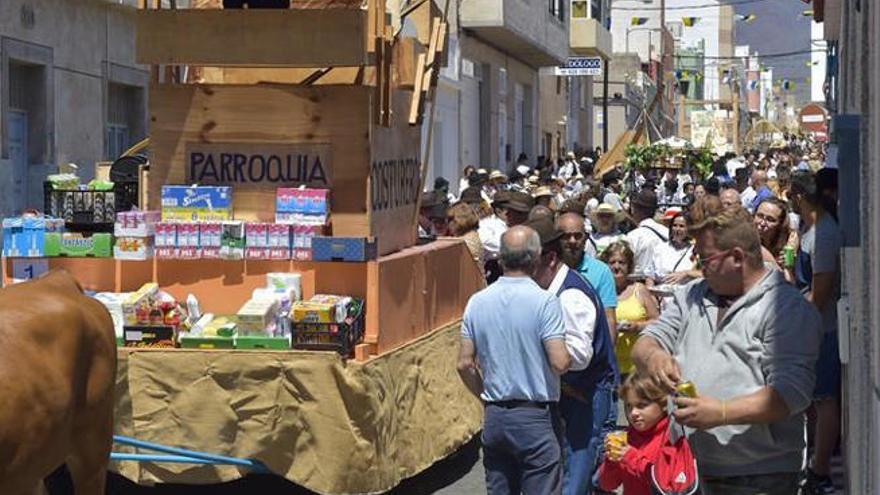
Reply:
x=325, y=96
x=372, y=170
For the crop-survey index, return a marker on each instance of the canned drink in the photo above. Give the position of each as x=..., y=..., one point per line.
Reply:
x=788, y=256
x=618, y=438
x=686, y=389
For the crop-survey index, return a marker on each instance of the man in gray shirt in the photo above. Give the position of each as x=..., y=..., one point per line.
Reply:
x=748, y=341
x=512, y=353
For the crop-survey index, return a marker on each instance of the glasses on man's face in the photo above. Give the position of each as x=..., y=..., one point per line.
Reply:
x=705, y=261
x=574, y=236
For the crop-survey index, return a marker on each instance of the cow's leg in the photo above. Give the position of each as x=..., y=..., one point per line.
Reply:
x=91, y=453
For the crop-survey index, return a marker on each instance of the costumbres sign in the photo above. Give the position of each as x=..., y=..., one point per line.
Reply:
x=256, y=166
x=394, y=183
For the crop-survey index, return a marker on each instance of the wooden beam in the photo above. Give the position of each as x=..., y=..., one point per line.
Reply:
x=415, y=107
x=314, y=76
x=258, y=37
x=354, y=76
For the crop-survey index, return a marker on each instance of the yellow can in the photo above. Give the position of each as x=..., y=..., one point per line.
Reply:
x=686, y=389
x=618, y=438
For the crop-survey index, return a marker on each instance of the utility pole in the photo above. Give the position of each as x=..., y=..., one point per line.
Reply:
x=605, y=118
x=735, y=117
x=681, y=114
x=661, y=80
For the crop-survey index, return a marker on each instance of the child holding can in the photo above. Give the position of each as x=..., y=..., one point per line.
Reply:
x=630, y=454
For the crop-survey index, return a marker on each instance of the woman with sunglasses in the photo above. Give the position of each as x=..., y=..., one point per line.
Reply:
x=636, y=307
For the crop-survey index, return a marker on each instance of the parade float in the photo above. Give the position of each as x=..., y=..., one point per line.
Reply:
x=270, y=298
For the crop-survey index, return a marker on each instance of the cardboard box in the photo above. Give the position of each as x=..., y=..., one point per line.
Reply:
x=188, y=342
x=25, y=237
x=148, y=336
x=256, y=235
x=232, y=241
x=136, y=223
x=133, y=248
x=255, y=316
x=211, y=253
x=98, y=245
x=136, y=307
x=302, y=206
x=261, y=342
x=353, y=249
x=166, y=253
x=256, y=253
x=210, y=235
x=196, y=203
x=166, y=235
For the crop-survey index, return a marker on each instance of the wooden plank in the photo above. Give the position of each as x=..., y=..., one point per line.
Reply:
x=406, y=52
x=394, y=178
x=270, y=37
x=358, y=76
x=284, y=115
x=415, y=107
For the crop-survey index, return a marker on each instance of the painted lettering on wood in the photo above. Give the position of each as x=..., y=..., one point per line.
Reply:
x=394, y=183
x=258, y=166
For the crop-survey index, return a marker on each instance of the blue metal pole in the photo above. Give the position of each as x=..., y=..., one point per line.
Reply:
x=178, y=459
x=212, y=458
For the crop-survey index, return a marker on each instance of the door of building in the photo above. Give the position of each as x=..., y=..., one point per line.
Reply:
x=18, y=157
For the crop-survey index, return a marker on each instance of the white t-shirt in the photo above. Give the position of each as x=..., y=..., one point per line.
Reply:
x=644, y=240
x=668, y=260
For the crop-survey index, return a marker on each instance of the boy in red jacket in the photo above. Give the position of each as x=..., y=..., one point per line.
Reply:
x=629, y=462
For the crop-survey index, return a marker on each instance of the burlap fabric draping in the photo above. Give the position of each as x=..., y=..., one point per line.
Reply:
x=329, y=425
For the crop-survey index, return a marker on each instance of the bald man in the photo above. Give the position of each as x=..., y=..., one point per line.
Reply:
x=730, y=197
x=574, y=242
x=762, y=191
x=512, y=355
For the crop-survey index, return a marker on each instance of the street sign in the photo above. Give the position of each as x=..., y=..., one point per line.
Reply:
x=580, y=66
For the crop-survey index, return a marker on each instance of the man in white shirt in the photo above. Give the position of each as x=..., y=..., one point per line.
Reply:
x=492, y=227
x=586, y=405
x=569, y=168
x=649, y=235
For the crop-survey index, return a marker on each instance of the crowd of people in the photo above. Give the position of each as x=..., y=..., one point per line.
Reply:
x=624, y=285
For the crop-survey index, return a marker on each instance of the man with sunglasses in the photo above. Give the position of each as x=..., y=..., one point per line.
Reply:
x=748, y=341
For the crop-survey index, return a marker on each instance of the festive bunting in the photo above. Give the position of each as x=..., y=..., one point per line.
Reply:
x=638, y=21
x=689, y=21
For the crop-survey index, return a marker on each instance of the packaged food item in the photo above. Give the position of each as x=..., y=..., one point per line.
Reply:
x=321, y=308
x=166, y=235
x=137, y=306
x=196, y=203
x=133, y=248
x=285, y=282
x=210, y=235
x=256, y=316
x=232, y=241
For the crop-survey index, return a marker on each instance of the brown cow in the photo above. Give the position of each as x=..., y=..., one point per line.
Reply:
x=57, y=374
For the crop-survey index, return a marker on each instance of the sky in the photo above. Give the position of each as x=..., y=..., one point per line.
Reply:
x=780, y=27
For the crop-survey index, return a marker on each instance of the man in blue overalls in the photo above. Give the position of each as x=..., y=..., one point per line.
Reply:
x=588, y=404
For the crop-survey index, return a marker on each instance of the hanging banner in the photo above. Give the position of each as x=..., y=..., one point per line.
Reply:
x=259, y=166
